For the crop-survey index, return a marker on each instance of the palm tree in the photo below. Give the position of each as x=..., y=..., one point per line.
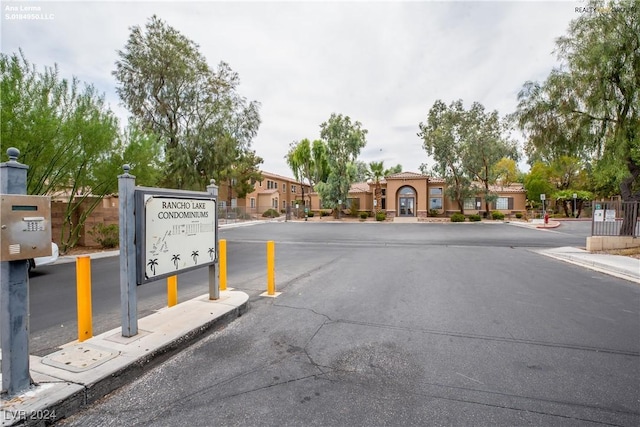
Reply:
x=152, y=264
x=375, y=173
x=175, y=260
x=194, y=255
x=211, y=253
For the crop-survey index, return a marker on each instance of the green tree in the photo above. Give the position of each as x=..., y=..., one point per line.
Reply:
x=196, y=112
x=376, y=172
x=138, y=149
x=483, y=147
x=506, y=171
x=395, y=169
x=594, y=95
x=537, y=182
x=362, y=170
x=571, y=206
x=63, y=132
x=307, y=162
x=443, y=139
x=343, y=140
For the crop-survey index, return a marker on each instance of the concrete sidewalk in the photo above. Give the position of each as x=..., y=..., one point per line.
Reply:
x=624, y=267
x=81, y=373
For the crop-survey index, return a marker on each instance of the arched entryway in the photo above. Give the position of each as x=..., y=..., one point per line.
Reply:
x=406, y=201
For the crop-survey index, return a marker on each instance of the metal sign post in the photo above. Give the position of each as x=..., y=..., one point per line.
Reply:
x=128, y=285
x=14, y=294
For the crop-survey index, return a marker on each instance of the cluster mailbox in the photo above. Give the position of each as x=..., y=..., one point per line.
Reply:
x=25, y=227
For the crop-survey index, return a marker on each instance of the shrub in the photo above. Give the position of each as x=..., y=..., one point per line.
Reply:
x=310, y=214
x=475, y=218
x=108, y=236
x=433, y=212
x=497, y=215
x=381, y=216
x=457, y=217
x=325, y=213
x=519, y=215
x=270, y=213
x=364, y=215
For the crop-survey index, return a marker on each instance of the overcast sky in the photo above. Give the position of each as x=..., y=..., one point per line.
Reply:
x=381, y=63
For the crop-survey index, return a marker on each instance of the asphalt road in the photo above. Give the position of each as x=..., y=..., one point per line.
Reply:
x=406, y=324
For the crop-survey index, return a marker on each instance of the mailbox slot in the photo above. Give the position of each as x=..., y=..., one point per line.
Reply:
x=25, y=225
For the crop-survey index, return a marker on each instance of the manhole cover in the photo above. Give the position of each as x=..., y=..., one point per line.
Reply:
x=79, y=357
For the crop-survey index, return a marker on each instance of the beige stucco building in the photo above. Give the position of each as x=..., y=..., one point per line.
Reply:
x=273, y=192
x=410, y=194
x=405, y=194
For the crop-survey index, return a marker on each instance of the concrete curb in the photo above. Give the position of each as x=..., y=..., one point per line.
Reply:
x=61, y=392
x=551, y=224
x=614, y=265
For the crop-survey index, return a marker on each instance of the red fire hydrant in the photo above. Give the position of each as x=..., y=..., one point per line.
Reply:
x=546, y=218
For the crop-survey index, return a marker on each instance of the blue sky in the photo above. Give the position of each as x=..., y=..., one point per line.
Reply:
x=381, y=63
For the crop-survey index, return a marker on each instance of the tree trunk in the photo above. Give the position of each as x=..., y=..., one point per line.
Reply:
x=630, y=210
x=629, y=218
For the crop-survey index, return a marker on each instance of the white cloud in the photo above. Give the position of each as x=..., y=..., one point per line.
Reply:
x=382, y=63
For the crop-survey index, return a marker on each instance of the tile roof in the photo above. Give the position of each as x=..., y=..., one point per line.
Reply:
x=513, y=188
x=273, y=175
x=359, y=187
x=406, y=175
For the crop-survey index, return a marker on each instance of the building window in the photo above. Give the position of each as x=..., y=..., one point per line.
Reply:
x=284, y=188
x=504, y=203
x=435, y=199
x=253, y=203
x=435, y=203
x=470, y=203
x=284, y=204
x=274, y=203
x=293, y=189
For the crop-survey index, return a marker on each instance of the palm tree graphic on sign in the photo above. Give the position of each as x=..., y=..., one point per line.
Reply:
x=175, y=260
x=211, y=252
x=195, y=255
x=152, y=264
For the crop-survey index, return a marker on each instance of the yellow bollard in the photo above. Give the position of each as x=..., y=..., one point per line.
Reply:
x=223, y=264
x=271, y=279
x=172, y=290
x=83, y=287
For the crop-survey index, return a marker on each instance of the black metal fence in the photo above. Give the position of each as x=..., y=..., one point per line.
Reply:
x=616, y=218
x=229, y=215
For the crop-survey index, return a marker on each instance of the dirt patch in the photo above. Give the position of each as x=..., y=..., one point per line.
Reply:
x=630, y=252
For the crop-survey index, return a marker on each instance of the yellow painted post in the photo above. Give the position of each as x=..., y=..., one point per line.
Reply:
x=271, y=274
x=172, y=290
x=223, y=264
x=83, y=287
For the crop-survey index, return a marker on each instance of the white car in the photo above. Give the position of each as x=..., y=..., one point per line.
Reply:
x=45, y=260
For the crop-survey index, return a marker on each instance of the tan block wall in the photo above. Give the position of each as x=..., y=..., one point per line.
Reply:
x=105, y=213
x=601, y=243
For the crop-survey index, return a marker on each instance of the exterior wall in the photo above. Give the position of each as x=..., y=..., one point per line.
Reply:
x=418, y=183
x=274, y=187
x=601, y=243
x=105, y=213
